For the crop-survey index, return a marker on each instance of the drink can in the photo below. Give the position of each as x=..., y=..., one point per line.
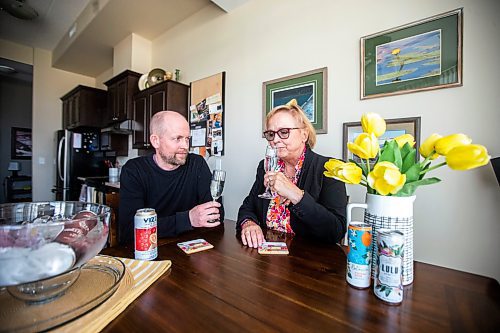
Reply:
x=388, y=284
x=359, y=256
x=145, y=234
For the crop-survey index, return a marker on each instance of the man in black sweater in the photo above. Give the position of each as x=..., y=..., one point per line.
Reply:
x=172, y=181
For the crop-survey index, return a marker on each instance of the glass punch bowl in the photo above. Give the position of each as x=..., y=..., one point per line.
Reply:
x=44, y=244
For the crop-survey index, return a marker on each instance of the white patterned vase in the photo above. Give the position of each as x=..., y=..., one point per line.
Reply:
x=388, y=212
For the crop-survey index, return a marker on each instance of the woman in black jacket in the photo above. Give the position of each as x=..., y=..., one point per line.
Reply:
x=307, y=203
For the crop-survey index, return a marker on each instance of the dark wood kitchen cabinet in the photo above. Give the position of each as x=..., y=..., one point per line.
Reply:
x=115, y=142
x=121, y=91
x=83, y=106
x=167, y=95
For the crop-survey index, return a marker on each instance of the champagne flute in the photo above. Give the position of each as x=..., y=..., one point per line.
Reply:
x=270, y=164
x=217, y=185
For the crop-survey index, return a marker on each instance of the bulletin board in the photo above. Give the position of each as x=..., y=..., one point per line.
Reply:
x=206, y=115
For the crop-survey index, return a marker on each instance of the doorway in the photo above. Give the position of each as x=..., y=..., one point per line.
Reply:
x=16, y=105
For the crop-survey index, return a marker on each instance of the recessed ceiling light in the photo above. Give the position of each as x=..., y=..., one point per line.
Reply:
x=7, y=69
x=72, y=30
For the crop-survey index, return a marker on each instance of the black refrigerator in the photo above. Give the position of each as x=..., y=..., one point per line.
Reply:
x=78, y=156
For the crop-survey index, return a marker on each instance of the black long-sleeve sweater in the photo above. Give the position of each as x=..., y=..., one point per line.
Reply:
x=143, y=184
x=320, y=214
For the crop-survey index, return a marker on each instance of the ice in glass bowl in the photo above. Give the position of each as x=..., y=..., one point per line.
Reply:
x=41, y=240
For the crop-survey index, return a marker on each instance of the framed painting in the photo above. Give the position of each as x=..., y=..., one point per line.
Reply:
x=394, y=128
x=20, y=143
x=418, y=56
x=308, y=88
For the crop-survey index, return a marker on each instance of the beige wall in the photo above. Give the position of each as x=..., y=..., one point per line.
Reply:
x=17, y=52
x=103, y=77
x=141, y=54
x=456, y=221
x=134, y=53
x=49, y=84
x=122, y=55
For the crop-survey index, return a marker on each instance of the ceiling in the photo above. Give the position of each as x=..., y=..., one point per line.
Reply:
x=99, y=25
x=55, y=18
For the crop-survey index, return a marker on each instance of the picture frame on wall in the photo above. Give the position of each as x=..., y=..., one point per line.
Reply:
x=21, y=146
x=310, y=91
x=394, y=128
x=418, y=56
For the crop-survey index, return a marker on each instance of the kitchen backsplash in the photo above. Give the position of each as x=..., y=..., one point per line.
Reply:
x=132, y=153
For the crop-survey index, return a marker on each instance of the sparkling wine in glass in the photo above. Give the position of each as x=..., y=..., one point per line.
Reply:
x=270, y=164
x=217, y=185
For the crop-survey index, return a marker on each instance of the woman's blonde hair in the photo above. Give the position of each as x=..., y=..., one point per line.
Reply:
x=301, y=118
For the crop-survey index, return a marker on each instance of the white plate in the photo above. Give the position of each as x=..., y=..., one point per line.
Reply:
x=142, y=81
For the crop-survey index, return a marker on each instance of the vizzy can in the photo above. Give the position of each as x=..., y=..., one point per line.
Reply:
x=358, y=273
x=145, y=234
x=388, y=284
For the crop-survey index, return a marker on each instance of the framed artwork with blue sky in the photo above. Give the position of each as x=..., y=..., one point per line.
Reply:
x=394, y=128
x=418, y=56
x=308, y=88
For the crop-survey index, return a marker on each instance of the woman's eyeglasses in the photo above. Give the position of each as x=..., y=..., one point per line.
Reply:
x=283, y=133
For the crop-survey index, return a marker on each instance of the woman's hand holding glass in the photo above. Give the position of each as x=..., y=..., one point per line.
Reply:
x=281, y=185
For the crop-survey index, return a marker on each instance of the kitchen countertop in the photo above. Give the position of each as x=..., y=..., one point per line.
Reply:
x=96, y=178
x=114, y=185
x=104, y=180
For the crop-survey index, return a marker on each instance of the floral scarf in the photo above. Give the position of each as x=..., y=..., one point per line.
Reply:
x=278, y=215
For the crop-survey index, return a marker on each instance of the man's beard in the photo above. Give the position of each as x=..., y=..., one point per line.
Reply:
x=173, y=159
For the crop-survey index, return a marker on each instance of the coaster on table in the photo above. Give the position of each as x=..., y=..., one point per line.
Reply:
x=273, y=248
x=194, y=246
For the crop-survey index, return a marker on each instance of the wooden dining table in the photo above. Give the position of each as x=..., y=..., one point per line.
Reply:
x=232, y=288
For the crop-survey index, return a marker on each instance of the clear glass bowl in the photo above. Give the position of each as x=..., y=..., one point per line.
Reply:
x=98, y=280
x=43, y=245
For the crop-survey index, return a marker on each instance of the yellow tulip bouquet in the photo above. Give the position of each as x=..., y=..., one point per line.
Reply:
x=397, y=171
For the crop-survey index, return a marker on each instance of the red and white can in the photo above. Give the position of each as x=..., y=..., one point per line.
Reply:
x=145, y=234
